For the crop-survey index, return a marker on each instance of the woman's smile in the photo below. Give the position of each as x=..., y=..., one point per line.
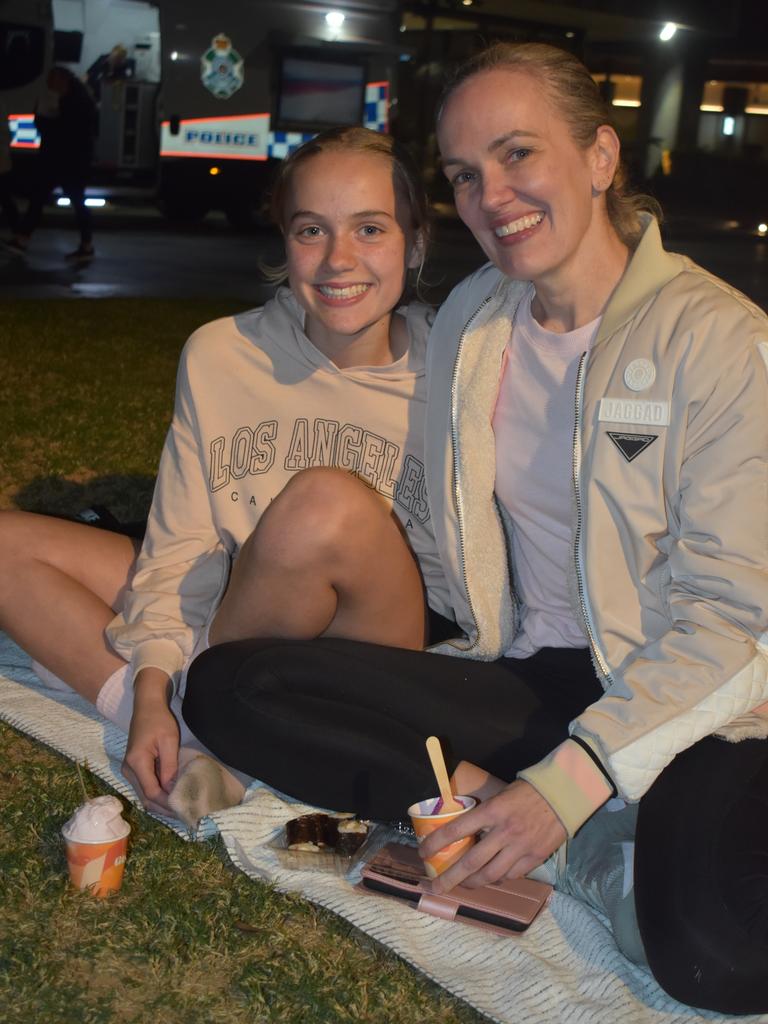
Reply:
x=520, y=227
x=521, y=184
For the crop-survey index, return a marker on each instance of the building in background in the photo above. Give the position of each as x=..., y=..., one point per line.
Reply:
x=688, y=80
x=198, y=99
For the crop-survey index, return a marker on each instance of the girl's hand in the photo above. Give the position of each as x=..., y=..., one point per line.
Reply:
x=152, y=755
x=520, y=831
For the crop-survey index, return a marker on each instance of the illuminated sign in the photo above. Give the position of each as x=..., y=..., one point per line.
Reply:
x=24, y=133
x=239, y=137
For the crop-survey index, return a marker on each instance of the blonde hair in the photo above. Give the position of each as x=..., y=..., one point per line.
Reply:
x=577, y=98
x=355, y=139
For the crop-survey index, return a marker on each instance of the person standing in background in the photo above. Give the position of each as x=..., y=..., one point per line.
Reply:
x=66, y=150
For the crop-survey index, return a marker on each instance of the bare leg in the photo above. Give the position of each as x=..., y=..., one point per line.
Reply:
x=60, y=584
x=327, y=559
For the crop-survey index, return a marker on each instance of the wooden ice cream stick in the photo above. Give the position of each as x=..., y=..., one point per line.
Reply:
x=450, y=803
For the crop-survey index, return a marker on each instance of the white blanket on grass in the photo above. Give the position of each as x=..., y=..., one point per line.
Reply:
x=566, y=967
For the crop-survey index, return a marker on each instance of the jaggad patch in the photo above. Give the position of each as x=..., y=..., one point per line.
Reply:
x=631, y=445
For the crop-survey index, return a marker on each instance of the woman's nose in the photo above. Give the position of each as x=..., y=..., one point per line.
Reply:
x=496, y=190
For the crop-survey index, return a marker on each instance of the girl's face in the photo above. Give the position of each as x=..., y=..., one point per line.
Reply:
x=349, y=243
x=521, y=184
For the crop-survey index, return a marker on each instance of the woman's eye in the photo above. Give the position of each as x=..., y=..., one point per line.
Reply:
x=462, y=178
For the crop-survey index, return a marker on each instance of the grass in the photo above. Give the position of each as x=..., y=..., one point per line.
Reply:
x=86, y=393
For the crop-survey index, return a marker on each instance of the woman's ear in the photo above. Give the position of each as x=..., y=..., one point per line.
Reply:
x=606, y=150
x=416, y=251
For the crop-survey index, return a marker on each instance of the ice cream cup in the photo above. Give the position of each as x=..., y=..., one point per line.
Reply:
x=96, y=840
x=425, y=821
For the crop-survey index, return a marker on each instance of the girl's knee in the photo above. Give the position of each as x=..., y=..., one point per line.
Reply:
x=327, y=490
x=319, y=511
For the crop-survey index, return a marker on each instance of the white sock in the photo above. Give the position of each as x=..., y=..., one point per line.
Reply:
x=203, y=785
x=207, y=788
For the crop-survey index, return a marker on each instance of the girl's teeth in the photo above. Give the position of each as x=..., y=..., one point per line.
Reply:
x=343, y=293
x=529, y=221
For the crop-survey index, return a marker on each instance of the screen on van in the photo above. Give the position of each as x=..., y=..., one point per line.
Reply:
x=316, y=93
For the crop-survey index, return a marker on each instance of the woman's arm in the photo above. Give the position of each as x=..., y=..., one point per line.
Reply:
x=710, y=664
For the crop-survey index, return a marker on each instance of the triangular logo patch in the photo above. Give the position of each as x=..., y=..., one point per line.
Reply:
x=631, y=445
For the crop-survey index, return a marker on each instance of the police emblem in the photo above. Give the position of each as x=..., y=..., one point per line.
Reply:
x=221, y=68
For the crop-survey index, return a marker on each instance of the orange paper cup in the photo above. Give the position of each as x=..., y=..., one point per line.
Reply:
x=97, y=867
x=425, y=822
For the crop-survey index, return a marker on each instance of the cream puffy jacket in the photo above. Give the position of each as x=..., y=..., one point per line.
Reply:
x=670, y=511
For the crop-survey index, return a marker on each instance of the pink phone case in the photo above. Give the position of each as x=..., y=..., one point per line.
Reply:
x=509, y=905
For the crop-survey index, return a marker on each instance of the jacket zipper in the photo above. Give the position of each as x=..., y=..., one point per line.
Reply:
x=456, y=488
x=585, y=610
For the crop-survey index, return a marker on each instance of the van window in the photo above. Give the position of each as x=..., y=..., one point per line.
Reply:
x=22, y=54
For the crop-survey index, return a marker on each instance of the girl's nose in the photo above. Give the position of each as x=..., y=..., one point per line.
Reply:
x=339, y=253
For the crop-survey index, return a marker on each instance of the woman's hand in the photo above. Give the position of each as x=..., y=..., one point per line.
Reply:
x=520, y=831
x=152, y=755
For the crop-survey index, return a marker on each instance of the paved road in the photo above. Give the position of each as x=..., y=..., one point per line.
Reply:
x=140, y=254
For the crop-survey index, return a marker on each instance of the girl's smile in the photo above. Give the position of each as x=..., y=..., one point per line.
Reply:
x=349, y=245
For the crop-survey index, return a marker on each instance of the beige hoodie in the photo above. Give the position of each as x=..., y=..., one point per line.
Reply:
x=255, y=403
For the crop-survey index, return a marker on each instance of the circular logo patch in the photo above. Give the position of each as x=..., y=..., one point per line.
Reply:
x=640, y=374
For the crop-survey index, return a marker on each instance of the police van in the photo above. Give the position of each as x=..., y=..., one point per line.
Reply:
x=197, y=101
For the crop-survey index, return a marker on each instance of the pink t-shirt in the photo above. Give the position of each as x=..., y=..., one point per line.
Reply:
x=533, y=422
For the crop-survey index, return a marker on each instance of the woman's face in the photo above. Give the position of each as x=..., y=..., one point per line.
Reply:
x=521, y=184
x=348, y=244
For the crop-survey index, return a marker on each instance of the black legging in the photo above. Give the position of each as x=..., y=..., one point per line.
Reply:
x=342, y=725
x=701, y=876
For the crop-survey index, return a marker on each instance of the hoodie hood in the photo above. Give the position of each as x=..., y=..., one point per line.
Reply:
x=280, y=324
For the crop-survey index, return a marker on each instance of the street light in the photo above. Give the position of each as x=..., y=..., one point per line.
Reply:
x=334, y=19
x=668, y=31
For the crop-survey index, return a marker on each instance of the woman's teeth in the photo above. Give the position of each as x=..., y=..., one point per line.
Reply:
x=342, y=293
x=530, y=220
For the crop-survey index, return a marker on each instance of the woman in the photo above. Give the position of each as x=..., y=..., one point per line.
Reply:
x=597, y=423
x=326, y=375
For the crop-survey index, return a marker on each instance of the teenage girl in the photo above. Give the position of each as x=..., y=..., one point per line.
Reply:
x=327, y=378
